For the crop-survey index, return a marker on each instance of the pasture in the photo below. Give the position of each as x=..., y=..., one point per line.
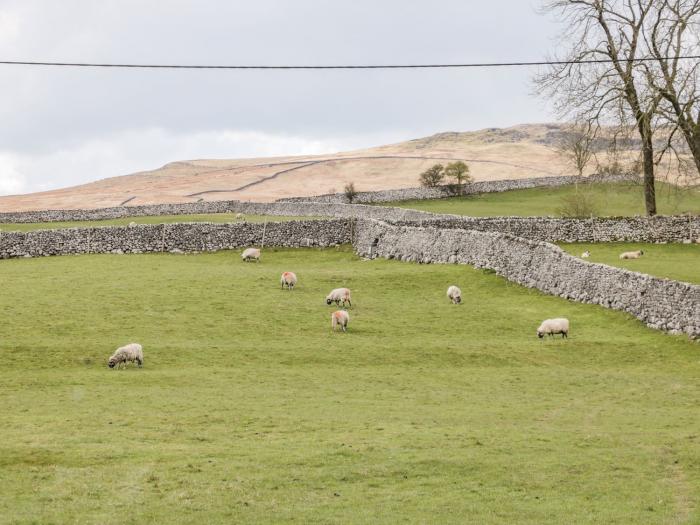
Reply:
x=156, y=219
x=249, y=409
x=672, y=261
x=609, y=199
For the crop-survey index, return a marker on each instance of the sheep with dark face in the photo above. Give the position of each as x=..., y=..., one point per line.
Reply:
x=339, y=295
x=586, y=254
x=454, y=294
x=131, y=353
x=554, y=326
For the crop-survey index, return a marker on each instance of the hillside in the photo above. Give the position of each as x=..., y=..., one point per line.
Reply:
x=518, y=152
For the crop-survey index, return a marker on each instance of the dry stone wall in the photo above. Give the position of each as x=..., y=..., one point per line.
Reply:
x=442, y=192
x=550, y=229
x=182, y=237
x=659, y=229
x=660, y=303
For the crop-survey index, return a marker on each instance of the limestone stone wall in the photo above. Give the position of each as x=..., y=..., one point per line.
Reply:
x=442, y=192
x=182, y=237
x=660, y=303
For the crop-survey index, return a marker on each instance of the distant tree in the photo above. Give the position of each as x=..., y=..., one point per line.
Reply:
x=458, y=171
x=433, y=176
x=350, y=192
x=576, y=147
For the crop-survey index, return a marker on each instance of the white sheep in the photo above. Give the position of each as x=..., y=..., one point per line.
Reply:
x=554, y=326
x=339, y=295
x=454, y=294
x=340, y=318
x=240, y=217
x=127, y=354
x=251, y=254
x=632, y=255
x=586, y=254
x=288, y=279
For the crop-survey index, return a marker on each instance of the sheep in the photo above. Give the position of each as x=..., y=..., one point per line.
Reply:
x=240, y=217
x=586, y=254
x=127, y=354
x=454, y=294
x=339, y=295
x=632, y=255
x=289, y=279
x=554, y=326
x=251, y=254
x=340, y=318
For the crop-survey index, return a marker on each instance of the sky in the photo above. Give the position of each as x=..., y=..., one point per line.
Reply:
x=66, y=126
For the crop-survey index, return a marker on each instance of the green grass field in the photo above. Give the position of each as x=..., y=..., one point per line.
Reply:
x=610, y=200
x=672, y=261
x=159, y=219
x=249, y=410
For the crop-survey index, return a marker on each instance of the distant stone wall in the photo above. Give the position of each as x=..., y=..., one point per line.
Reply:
x=599, y=229
x=442, y=192
x=678, y=229
x=660, y=303
x=182, y=237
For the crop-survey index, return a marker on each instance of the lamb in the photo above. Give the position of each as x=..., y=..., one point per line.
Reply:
x=251, y=254
x=340, y=318
x=289, y=279
x=339, y=295
x=127, y=354
x=586, y=254
x=454, y=294
x=554, y=326
x=632, y=255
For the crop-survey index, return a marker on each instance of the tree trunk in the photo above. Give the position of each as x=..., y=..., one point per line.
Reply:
x=648, y=163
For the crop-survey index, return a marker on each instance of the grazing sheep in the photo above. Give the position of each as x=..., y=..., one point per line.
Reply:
x=132, y=224
x=554, y=326
x=127, y=354
x=454, y=294
x=289, y=279
x=632, y=255
x=339, y=295
x=251, y=254
x=340, y=318
x=586, y=254
x=240, y=217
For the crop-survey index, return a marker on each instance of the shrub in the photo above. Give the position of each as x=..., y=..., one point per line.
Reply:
x=350, y=192
x=578, y=205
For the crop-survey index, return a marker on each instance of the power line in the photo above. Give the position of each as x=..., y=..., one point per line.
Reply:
x=364, y=66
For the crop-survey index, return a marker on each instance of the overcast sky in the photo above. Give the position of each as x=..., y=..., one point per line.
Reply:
x=65, y=126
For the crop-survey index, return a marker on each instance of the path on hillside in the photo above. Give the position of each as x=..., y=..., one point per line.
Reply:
x=305, y=164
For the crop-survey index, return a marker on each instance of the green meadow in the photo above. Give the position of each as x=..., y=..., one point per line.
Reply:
x=672, y=261
x=249, y=410
x=609, y=200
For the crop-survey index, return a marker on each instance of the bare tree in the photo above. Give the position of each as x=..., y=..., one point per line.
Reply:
x=610, y=92
x=673, y=32
x=576, y=147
